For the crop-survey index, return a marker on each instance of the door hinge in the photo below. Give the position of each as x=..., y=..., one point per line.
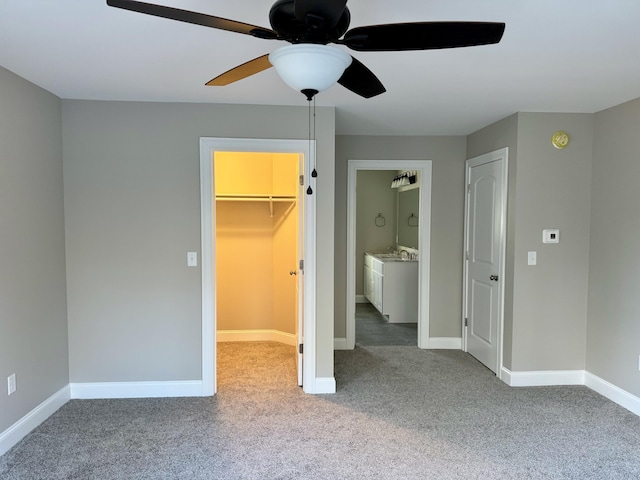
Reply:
x=300, y=348
x=466, y=322
x=301, y=179
x=466, y=255
x=302, y=265
x=469, y=188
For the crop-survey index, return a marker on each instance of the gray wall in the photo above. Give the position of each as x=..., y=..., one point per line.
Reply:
x=33, y=324
x=553, y=191
x=614, y=304
x=447, y=210
x=132, y=205
x=545, y=319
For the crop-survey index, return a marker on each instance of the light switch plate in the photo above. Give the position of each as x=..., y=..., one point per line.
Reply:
x=11, y=383
x=192, y=259
x=532, y=258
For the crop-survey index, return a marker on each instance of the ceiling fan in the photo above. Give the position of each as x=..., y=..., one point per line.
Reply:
x=310, y=25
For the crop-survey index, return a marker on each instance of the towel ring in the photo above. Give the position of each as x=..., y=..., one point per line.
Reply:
x=380, y=221
x=413, y=221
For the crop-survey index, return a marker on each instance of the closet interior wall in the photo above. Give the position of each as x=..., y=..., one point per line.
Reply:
x=256, y=245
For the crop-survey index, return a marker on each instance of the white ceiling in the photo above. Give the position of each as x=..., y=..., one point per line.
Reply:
x=555, y=56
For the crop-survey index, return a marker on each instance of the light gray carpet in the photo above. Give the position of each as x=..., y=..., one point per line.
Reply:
x=400, y=413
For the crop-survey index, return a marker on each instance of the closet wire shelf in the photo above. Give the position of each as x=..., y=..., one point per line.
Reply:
x=257, y=198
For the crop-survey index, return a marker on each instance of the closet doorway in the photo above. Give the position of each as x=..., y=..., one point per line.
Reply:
x=257, y=260
x=256, y=229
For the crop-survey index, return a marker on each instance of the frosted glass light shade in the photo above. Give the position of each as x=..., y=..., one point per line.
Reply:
x=307, y=66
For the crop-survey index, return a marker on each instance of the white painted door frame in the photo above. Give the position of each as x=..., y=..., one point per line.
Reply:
x=501, y=156
x=424, y=239
x=208, y=147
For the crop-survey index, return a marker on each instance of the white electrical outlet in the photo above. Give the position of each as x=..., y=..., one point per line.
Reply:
x=11, y=383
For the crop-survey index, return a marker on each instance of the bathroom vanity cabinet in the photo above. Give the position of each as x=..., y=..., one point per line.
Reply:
x=391, y=285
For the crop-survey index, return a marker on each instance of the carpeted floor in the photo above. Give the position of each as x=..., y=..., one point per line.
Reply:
x=400, y=413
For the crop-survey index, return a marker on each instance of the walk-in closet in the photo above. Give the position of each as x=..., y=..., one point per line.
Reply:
x=256, y=260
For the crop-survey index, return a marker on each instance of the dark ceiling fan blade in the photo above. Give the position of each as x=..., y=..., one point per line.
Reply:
x=245, y=70
x=319, y=14
x=194, y=17
x=359, y=79
x=422, y=36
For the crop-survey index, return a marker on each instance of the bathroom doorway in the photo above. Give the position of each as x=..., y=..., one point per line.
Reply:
x=384, y=170
x=386, y=225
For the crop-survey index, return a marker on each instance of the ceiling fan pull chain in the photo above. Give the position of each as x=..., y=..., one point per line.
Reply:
x=314, y=173
x=309, y=96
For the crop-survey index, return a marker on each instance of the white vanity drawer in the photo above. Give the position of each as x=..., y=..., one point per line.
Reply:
x=373, y=263
x=377, y=266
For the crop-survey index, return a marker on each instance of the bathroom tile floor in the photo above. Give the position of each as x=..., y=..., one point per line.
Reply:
x=372, y=329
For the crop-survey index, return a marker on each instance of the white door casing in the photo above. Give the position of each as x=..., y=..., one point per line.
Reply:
x=424, y=242
x=300, y=277
x=306, y=230
x=485, y=248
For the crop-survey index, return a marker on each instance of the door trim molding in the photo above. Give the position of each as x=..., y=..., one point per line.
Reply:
x=424, y=166
x=501, y=155
x=208, y=146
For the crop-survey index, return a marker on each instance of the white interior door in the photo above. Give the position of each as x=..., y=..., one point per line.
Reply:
x=485, y=247
x=300, y=270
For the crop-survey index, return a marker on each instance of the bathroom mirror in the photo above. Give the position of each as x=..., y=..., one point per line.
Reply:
x=408, y=217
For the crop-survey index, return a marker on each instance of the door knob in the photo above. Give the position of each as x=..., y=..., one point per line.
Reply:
x=293, y=272
x=494, y=278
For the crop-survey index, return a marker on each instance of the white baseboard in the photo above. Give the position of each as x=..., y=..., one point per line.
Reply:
x=444, y=343
x=340, y=344
x=256, y=336
x=86, y=391
x=543, y=378
x=31, y=420
x=441, y=343
x=361, y=299
x=35, y=417
x=613, y=393
x=573, y=377
x=322, y=385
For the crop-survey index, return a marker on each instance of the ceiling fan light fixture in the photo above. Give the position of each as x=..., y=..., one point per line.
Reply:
x=308, y=66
